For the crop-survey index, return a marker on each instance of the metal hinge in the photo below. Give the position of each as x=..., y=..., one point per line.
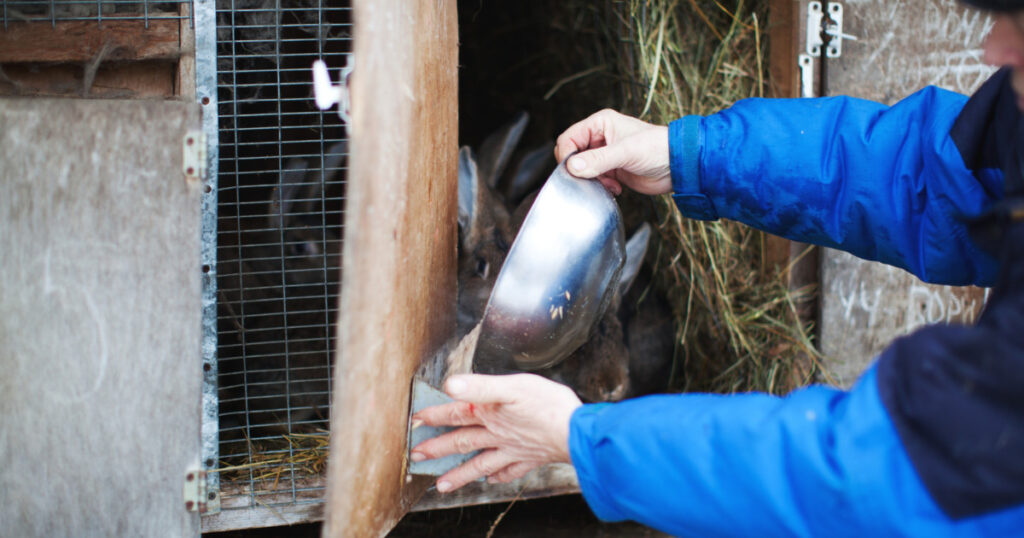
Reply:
x=824, y=32
x=825, y=29
x=806, y=64
x=197, y=499
x=194, y=156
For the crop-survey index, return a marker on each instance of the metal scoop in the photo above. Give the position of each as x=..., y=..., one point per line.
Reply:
x=558, y=277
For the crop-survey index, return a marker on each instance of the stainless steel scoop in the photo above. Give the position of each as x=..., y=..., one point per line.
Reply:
x=558, y=277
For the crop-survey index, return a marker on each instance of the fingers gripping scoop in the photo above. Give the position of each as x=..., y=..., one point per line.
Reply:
x=423, y=396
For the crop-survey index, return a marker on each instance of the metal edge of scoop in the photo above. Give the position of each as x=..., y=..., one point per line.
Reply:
x=558, y=276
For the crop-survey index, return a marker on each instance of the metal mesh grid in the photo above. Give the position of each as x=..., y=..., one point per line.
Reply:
x=281, y=201
x=53, y=11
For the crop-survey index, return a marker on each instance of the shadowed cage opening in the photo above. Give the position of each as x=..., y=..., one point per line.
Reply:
x=281, y=199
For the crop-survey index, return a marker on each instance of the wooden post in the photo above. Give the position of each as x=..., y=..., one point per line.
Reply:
x=398, y=291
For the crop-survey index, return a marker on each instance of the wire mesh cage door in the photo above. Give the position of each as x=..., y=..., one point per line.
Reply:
x=281, y=200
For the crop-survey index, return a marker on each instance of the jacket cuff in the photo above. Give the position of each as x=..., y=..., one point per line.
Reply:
x=685, y=141
x=581, y=452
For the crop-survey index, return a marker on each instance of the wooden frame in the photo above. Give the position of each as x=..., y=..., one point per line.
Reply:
x=398, y=293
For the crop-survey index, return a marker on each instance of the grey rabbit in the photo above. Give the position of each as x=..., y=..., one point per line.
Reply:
x=281, y=271
x=600, y=369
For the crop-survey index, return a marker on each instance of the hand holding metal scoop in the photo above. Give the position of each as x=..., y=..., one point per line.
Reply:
x=558, y=277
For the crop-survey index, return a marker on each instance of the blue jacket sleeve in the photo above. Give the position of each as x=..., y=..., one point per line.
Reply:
x=820, y=462
x=883, y=183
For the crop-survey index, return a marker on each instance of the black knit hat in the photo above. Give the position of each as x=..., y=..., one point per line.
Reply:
x=997, y=5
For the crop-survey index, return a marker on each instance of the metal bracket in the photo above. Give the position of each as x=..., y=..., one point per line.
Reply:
x=806, y=64
x=194, y=491
x=327, y=94
x=194, y=156
x=819, y=25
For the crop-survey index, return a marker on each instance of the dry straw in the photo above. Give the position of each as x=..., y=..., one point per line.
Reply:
x=269, y=461
x=738, y=328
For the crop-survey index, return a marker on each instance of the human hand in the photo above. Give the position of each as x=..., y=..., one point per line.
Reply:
x=520, y=422
x=618, y=150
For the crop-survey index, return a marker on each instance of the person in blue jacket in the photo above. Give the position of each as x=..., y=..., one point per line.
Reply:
x=929, y=442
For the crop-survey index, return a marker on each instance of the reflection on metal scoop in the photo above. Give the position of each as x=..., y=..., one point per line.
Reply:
x=558, y=277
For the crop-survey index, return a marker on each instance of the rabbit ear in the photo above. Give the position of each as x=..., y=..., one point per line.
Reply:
x=497, y=149
x=333, y=157
x=283, y=196
x=302, y=184
x=636, y=248
x=468, y=181
x=529, y=172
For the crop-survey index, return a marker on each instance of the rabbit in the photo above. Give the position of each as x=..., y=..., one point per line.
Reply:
x=600, y=369
x=288, y=265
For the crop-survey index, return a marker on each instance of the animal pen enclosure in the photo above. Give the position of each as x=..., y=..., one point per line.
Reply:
x=259, y=226
x=281, y=192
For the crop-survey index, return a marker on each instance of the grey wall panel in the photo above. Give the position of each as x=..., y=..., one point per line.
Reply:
x=99, y=338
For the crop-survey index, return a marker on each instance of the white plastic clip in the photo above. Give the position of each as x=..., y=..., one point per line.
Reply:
x=327, y=94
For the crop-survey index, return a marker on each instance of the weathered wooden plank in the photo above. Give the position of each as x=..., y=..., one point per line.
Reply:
x=99, y=289
x=784, y=31
x=150, y=79
x=272, y=509
x=398, y=292
x=264, y=516
x=277, y=509
x=900, y=48
x=548, y=481
x=82, y=41
x=185, y=82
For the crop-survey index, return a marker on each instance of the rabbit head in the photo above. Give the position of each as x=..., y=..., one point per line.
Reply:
x=300, y=217
x=485, y=237
x=288, y=268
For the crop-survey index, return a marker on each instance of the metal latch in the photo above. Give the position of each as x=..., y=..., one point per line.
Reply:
x=806, y=64
x=327, y=94
x=825, y=30
x=194, y=156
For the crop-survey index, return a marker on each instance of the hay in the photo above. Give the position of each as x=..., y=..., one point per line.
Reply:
x=269, y=460
x=738, y=328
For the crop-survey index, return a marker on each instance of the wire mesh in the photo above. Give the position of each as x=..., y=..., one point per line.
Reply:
x=281, y=201
x=54, y=11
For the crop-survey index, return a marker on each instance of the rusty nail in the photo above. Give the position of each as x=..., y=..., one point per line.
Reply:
x=188, y=505
x=190, y=477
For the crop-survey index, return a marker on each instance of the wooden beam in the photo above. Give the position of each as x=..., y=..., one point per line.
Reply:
x=185, y=82
x=136, y=80
x=783, y=48
x=398, y=291
x=82, y=41
x=783, y=39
